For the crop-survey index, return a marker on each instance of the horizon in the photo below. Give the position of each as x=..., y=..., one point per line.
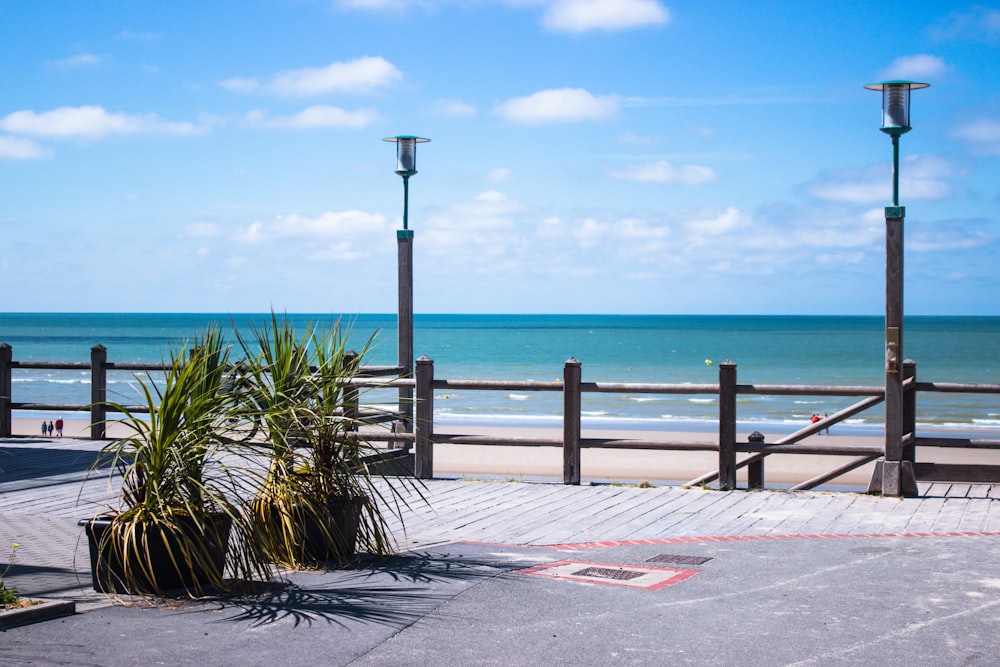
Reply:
x=586, y=156
x=393, y=315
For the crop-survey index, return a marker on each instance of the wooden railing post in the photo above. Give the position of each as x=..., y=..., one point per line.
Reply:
x=98, y=391
x=423, y=424
x=6, y=385
x=727, y=425
x=910, y=408
x=755, y=469
x=571, y=421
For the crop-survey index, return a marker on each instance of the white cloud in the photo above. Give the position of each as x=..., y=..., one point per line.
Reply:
x=241, y=84
x=89, y=122
x=361, y=75
x=983, y=135
x=583, y=15
x=375, y=4
x=921, y=177
x=725, y=222
x=482, y=225
x=319, y=116
x=16, y=148
x=81, y=60
x=664, y=172
x=559, y=105
x=202, y=229
x=917, y=67
x=455, y=108
x=498, y=175
x=344, y=226
x=979, y=23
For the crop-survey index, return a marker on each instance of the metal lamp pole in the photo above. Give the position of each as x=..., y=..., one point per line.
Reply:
x=897, y=477
x=406, y=166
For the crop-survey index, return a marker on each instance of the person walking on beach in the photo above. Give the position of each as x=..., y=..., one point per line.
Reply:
x=50, y=427
x=59, y=427
x=45, y=428
x=827, y=429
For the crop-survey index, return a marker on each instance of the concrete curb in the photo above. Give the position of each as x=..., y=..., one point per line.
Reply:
x=40, y=610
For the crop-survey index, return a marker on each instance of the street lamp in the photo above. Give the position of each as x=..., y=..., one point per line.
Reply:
x=897, y=477
x=406, y=166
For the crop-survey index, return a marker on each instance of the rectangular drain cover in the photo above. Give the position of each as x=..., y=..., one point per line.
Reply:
x=608, y=573
x=632, y=576
x=679, y=560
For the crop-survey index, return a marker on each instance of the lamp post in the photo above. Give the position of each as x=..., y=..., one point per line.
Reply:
x=406, y=166
x=897, y=478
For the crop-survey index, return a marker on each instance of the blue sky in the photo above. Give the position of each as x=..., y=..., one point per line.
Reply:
x=587, y=156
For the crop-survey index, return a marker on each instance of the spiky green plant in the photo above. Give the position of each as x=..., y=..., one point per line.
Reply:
x=317, y=458
x=173, y=475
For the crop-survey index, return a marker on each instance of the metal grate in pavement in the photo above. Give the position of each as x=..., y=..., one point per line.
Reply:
x=632, y=576
x=609, y=573
x=675, y=559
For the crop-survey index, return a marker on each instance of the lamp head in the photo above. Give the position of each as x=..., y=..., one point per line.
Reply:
x=406, y=153
x=896, y=104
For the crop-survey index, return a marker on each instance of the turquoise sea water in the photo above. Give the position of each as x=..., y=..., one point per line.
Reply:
x=810, y=350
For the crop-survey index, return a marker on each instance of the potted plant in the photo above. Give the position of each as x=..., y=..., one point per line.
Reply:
x=319, y=500
x=177, y=498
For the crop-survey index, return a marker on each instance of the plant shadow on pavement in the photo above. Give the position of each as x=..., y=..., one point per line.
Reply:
x=395, y=591
x=21, y=463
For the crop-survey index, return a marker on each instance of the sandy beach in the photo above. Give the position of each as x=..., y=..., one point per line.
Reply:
x=606, y=465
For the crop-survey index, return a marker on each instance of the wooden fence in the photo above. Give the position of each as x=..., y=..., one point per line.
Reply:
x=422, y=434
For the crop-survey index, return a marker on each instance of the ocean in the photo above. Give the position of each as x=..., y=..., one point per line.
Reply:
x=806, y=350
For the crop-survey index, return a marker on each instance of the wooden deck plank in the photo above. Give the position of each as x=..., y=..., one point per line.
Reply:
x=526, y=528
x=609, y=517
x=643, y=525
x=979, y=491
x=686, y=519
x=442, y=521
x=976, y=516
x=952, y=512
x=925, y=515
x=532, y=503
x=880, y=516
x=816, y=503
x=575, y=514
x=768, y=514
x=992, y=522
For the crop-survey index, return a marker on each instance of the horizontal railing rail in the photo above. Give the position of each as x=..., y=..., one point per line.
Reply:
x=421, y=433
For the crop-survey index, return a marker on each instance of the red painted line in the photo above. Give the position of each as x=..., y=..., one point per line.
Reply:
x=734, y=538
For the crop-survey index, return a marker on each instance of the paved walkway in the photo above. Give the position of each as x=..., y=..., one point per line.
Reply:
x=517, y=573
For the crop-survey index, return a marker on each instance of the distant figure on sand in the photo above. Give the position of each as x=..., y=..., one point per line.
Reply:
x=50, y=427
x=59, y=427
x=827, y=429
x=45, y=429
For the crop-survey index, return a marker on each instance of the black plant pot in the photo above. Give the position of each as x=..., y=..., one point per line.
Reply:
x=188, y=558
x=320, y=532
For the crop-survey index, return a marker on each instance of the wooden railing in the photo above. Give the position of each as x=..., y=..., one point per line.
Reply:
x=421, y=432
x=572, y=441
x=98, y=407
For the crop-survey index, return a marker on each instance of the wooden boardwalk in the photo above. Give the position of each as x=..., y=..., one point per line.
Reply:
x=45, y=490
x=44, y=481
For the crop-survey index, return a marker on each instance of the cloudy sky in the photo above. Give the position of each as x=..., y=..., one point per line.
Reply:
x=587, y=156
